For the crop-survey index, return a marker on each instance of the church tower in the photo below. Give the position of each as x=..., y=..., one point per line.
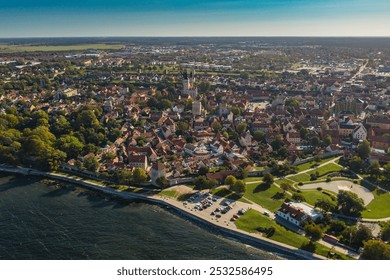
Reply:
x=189, y=84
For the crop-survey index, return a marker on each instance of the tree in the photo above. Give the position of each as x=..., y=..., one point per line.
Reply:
x=356, y=236
x=356, y=164
x=336, y=227
x=304, y=133
x=298, y=197
x=385, y=231
x=241, y=128
x=315, y=141
x=364, y=149
x=51, y=159
x=348, y=203
x=259, y=136
x=376, y=250
x=91, y=164
x=285, y=187
x=203, y=170
x=244, y=172
x=314, y=231
x=268, y=179
x=277, y=143
x=70, y=145
x=162, y=182
x=238, y=187
x=230, y=180
x=328, y=140
x=123, y=176
x=139, y=175
x=374, y=169
x=216, y=126
x=325, y=205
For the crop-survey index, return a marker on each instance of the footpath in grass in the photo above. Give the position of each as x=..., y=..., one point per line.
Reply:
x=323, y=170
x=308, y=165
x=252, y=220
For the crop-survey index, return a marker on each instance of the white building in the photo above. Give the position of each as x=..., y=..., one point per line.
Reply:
x=296, y=213
x=360, y=133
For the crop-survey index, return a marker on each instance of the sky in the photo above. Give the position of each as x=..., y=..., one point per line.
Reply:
x=74, y=18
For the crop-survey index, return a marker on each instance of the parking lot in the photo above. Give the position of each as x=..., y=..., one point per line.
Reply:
x=218, y=209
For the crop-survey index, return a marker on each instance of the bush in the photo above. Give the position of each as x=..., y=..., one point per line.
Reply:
x=319, y=189
x=309, y=246
x=300, y=184
x=328, y=179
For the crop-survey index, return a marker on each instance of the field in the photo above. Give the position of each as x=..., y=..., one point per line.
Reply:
x=30, y=48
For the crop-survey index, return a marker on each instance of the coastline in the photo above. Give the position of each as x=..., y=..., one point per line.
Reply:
x=236, y=234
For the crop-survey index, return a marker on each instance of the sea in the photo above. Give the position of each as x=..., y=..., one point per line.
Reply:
x=50, y=221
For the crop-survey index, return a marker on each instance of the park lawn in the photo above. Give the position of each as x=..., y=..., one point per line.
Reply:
x=325, y=169
x=303, y=177
x=284, y=180
x=311, y=196
x=225, y=193
x=380, y=206
x=308, y=165
x=253, y=219
x=169, y=193
x=267, y=197
x=5, y=48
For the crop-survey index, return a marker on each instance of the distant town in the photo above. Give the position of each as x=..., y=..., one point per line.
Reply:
x=290, y=138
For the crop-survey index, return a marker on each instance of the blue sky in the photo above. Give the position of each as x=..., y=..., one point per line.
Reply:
x=45, y=18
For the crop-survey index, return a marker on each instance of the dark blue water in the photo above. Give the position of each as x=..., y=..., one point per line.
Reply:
x=38, y=221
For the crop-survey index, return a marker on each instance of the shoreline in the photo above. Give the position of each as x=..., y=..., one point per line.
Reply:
x=257, y=241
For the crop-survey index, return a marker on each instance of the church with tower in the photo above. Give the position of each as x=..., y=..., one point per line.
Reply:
x=189, y=84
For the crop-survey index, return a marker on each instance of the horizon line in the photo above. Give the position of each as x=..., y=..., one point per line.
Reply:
x=197, y=36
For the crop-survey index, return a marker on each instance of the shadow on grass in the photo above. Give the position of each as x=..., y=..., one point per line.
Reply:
x=309, y=246
x=184, y=197
x=261, y=187
x=279, y=195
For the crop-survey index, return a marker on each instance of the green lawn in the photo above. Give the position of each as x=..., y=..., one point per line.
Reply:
x=300, y=178
x=284, y=180
x=224, y=192
x=5, y=48
x=266, y=197
x=380, y=206
x=309, y=164
x=252, y=219
x=325, y=169
x=312, y=196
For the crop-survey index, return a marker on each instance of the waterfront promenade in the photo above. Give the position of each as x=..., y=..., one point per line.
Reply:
x=223, y=226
